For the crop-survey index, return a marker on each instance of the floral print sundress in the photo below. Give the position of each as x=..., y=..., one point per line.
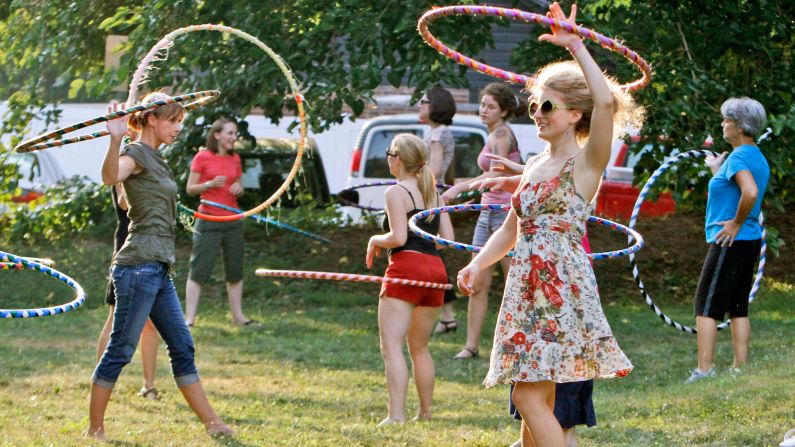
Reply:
x=551, y=325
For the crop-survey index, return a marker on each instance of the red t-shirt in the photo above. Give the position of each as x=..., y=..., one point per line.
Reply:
x=209, y=165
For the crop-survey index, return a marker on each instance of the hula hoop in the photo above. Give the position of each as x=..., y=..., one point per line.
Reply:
x=260, y=219
x=332, y=276
x=196, y=99
x=167, y=41
x=347, y=202
x=475, y=249
x=515, y=14
x=10, y=261
x=636, y=272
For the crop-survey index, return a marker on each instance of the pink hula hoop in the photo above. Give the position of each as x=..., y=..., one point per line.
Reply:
x=331, y=276
x=515, y=14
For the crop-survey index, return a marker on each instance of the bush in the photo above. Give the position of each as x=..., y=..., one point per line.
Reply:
x=76, y=206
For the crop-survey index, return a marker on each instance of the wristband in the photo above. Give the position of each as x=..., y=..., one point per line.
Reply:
x=573, y=48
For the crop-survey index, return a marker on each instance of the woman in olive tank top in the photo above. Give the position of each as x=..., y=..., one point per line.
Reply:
x=141, y=267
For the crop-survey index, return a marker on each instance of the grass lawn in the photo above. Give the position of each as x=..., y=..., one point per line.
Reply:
x=313, y=375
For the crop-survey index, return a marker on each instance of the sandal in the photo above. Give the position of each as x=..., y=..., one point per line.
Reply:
x=445, y=326
x=251, y=323
x=149, y=393
x=463, y=354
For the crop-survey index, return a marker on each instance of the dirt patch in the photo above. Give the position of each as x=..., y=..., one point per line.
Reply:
x=670, y=262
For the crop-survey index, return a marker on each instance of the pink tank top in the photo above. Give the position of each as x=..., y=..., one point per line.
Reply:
x=499, y=197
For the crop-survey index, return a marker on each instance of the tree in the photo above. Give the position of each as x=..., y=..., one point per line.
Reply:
x=703, y=52
x=340, y=52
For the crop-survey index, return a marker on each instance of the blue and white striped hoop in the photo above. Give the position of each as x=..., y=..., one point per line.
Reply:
x=632, y=234
x=26, y=263
x=267, y=221
x=634, y=218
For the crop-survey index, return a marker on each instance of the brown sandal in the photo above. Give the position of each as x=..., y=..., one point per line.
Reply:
x=149, y=393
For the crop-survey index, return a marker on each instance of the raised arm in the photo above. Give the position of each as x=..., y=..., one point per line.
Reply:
x=116, y=169
x=600, y=137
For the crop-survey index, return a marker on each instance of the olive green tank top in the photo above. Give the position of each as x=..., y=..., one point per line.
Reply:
x=152, y=199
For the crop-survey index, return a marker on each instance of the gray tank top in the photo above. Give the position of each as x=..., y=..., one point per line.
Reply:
x=152, y=198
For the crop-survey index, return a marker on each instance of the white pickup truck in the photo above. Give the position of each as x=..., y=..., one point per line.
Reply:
x=368, y=162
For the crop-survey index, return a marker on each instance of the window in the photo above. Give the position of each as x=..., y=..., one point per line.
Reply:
x=377, y=142
x=468, y=144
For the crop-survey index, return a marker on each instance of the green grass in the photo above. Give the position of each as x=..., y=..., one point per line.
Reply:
x=313, y=374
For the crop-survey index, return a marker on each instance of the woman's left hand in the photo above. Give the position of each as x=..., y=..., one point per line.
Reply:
x=725, y=237
x=561, y=37
x=373, y=251
x=236, y=189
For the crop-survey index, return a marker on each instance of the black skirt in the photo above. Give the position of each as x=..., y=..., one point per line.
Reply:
x=573, y=404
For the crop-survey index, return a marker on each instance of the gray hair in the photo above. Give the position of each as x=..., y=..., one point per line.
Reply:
x=749, y=114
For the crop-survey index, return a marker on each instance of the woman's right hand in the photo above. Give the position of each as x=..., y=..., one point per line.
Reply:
x=449, y=196
x=466, y=278
x=504, y=165
x=117, y=127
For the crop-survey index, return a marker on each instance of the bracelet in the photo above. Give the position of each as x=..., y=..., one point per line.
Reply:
x=206, y=186
x=575, y=46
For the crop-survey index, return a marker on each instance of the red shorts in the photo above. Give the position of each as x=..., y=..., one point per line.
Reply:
x=419, y=267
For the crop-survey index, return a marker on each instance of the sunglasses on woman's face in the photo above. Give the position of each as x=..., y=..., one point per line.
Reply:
x=425, y=101
x=390, y=154
x=546, y=107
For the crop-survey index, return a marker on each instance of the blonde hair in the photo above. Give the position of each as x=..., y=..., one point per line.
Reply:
x=411, y=151
x=567, y=79
x=137, y=121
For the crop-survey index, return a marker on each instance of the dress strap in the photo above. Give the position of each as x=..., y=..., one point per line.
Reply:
x=568, y=167
x=414, y=204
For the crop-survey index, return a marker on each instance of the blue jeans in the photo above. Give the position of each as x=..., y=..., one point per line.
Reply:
x=145, y=291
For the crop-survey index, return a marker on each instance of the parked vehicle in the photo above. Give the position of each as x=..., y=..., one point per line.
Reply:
x=368, y=162
x=37, y=171
x=266, y=165
x=617, y=194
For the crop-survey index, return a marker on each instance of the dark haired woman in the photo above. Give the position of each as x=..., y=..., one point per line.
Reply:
x=437, y=109
x=498, y=104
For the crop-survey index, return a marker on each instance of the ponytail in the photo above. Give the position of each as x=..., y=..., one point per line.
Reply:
x=413, y=153
x=427, y=185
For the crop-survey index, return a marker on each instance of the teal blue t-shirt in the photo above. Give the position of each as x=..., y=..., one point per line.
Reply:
x=724, y=193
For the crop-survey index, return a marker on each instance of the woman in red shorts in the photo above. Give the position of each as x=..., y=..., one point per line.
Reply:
x=406, y=312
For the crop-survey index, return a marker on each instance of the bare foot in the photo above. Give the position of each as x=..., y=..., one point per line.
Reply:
x=422, y=417
x=97, y=434
x=218, y=428
x=389, y=421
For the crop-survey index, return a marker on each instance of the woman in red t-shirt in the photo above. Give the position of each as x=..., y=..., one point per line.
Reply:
x=215, y=174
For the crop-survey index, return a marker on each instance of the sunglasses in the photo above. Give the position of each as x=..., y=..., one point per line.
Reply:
x=390, y=154
x=546, y=107
x=425, y=101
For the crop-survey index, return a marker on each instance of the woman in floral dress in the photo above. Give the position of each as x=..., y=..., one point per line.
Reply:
x=551, y=327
